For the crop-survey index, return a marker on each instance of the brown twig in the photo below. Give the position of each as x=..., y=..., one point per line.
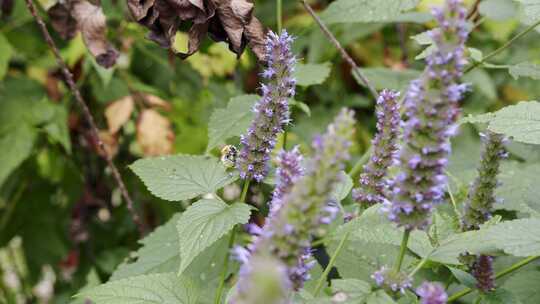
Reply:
x=355, y=69
x=86, y=112
x=473, y=10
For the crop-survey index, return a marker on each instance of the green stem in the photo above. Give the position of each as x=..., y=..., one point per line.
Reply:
x=223, y=275
x=503, y=47
x=402, y=250
x=279, y=10
x=330, y=264
x=357, y=168
x=285, y=139
x=501, y=274
x=418, y=267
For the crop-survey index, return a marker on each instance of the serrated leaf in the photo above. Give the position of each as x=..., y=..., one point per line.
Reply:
x=311, y=73
x=182, y=177
x=163, y=288
x=203, y=223
x=231, y=121
x=521, y=122
x=382, y=78
x=57, y=128
x=366, y=11
x=525, y=69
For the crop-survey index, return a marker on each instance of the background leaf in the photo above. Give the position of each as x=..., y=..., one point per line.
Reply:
x=342, y=11
x=311, y=73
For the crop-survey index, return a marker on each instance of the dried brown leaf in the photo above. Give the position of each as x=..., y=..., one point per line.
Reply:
x=62, y=21
x=110, y=141
x=118, y=112
x=155, y=101
x=92, y=24
x=154, y=133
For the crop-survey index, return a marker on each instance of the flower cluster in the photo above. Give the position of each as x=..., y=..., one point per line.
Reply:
x=289, y=170
x=391, y=280
x=271, y=111
x=481, y=197
x=431, y=110
x=288, y=234
x=482, y=270
x=432, y=293
x=372, y=183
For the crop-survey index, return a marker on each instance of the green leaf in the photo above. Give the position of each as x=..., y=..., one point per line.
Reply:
x=182, y=177
x=311, y=73
x=518, y=237
x=158, y=254
x=203, y=223
x=343, y=188
x=57, y=127
x=164, y=288
x=525, y=69
x=374, y=227
x=482, y=82
x=531, y=8
x=501, y=296
x=366, y=11
x=16, y=143
x=355, y=291
x=382, y=78
x=524, y=285
x=300, y=105
x=521, y=122
x=380, y=297
x=519, y=190
x=463, y=277
x=498, y=9
x=6, y=51
x=231, y=121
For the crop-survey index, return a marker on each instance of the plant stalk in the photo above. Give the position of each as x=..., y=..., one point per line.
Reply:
x=402, y=250
x=330, y=264
x=219, y=292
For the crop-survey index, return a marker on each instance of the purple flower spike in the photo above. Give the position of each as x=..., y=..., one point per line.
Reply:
x=289, y=170
x=483, y=272
x=431, y=293
x=372, y=184
x=287, y=235
x=481, y=197
x=431, y=109
x=271, y=111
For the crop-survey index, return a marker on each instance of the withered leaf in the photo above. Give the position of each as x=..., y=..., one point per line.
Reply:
x=62, y=21
x=155, y=101
x=231, y=21
x=110, y=141
x=68, y=17
x=118, y=112
x=92, y=24
x=154, y=133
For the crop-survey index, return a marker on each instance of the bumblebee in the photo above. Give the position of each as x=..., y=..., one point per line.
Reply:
x=229, y=153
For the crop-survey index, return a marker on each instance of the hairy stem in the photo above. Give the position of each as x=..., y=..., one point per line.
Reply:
x=503, y=47
x=402, y=250
x=330, y=264
x=86, y=113
x=219, y=292
x=355, y=69
x=500, y=274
